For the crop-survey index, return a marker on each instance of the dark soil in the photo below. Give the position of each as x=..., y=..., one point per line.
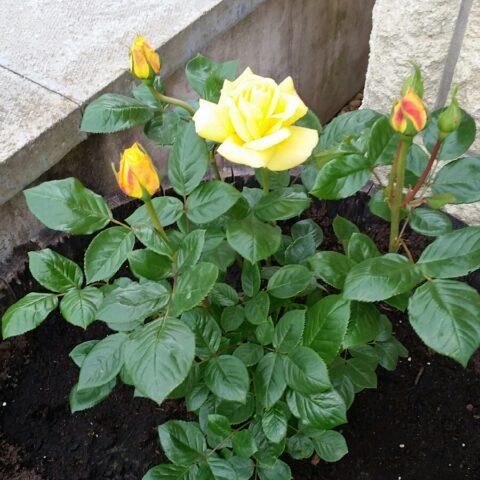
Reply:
x=423, y=422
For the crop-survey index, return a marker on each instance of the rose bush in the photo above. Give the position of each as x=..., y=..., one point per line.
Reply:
x=264, y=334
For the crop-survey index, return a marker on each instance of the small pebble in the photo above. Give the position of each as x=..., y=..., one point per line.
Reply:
x=428, y=363
x=4, y=404
x=469, y=407
x=409, y=359
x=402, y=445
x=463, y=445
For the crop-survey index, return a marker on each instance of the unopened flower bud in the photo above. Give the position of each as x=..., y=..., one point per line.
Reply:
x=408, y=115
x=137, y=173
x=144, y=60
x=449, y=119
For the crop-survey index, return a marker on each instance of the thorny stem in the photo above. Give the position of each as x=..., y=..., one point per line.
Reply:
x=265, y=181
x=213, y=163
x=396, y=190
x=155, y=220
x=411, y=194
x=171, y=100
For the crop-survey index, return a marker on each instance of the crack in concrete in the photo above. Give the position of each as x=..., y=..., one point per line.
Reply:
x=41, y=85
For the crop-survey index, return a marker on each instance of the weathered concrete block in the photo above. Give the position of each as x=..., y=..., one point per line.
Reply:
x=405, y=32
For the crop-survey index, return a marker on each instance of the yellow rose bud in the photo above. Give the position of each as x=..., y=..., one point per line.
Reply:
x=409, y=115
x=145, y=62
x=137, y=171
x=253, y=121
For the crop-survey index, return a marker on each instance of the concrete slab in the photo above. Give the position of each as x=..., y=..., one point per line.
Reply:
x=28, y=112
x=57, y=56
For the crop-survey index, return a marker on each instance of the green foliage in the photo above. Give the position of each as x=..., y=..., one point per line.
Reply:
x=264, y=333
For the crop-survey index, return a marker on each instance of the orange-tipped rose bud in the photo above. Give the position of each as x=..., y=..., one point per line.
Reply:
x=145, y=62
x=137, y=172
x=409, y=115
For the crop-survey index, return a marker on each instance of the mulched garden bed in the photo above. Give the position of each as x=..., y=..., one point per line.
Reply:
x=423, y=422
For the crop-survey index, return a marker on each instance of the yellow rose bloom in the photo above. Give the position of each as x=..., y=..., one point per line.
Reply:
x=253, y=121
x=144, y=60
x=137, y=171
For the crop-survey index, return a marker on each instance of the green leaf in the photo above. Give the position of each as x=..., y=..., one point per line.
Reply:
x=169, y=471
x=440, y=200
x=351, y=123
x=279, y=471
x=275, y=179
x=221, y=469
x=361, y=247
x=188, y=160
x=269, y=380
x=149, y=265
x=282, y=204
x=388, y=353
x=207, y=332
x=289, y=281
x=54, y=271
x=223, y=256
x=163, y=128
x=256, y=309
x=381, y=278
x=331, y=267
x=417, y=160
x=379, y=206
x=219, y=425
x=68, y=206
x=152, y=240
x=158, y=357
x=342, y=177
x=168, y=210
x=364, y=325
x=306, y=372
x=310, y=120
x=382, y=142
x=193, y=286
x=299, y=251
x=460, y=178
x=182, y=442
x=107, y=252
x=274, y=422
x=244, y=444
x=454, y=254
x=252, y=239
x=28, y=313
x=113, y=113
x=299, y=446
x=210, y=200
x=243, y=467
x=444, y=313
x=361, y=373
x=343, y=230
x=223, y=295
x=190, y=250
x=143, y=94
x=232, y=317
x=249, y=353
x=289, y=331
x=323, y=410
x=133, y=302
x=227, y=377
x=103, y=363
x=250, y=278
x=80, y=352
x=206, y=77
x=82, y=399
x=326, y=326
x=431, y=223
x=456, y=143
x=330, y=445
x=307, y=228
x=264, y=332
x=79, y=307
